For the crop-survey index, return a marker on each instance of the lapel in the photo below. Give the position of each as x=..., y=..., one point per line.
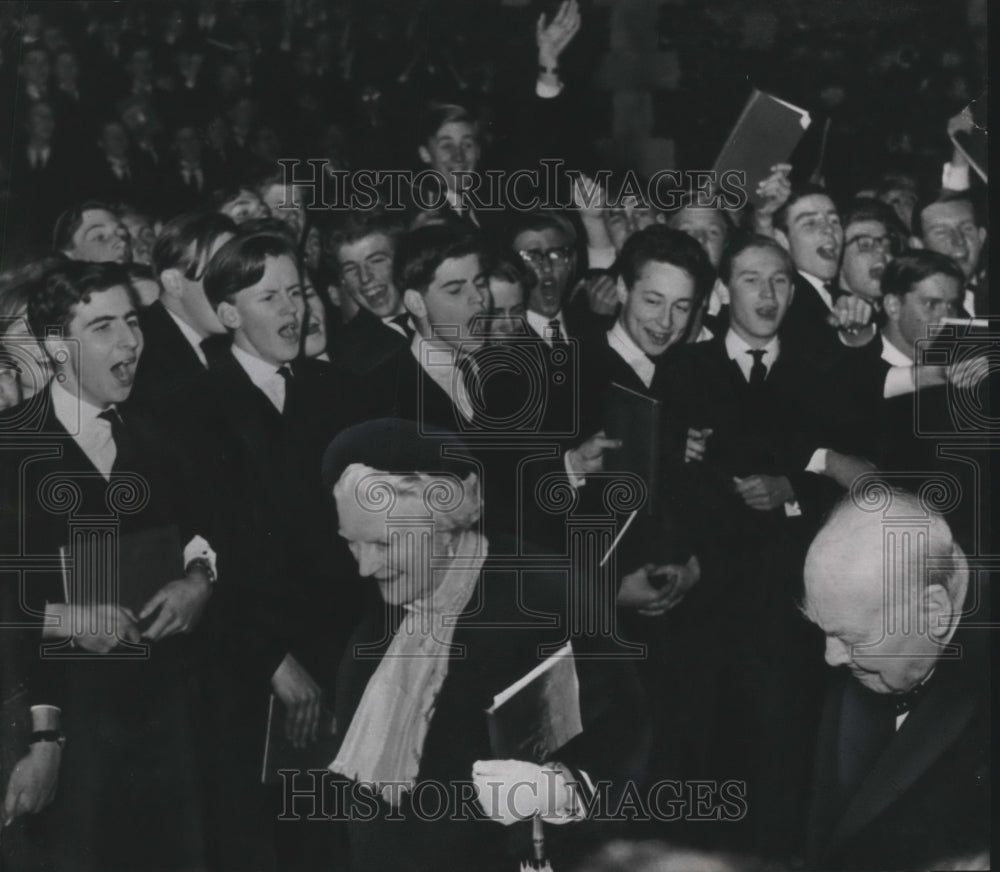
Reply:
x=620, y=372
x=925, y=735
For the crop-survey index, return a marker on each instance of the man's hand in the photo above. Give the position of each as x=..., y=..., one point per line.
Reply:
x=553, y=37
x=181, y=604
x=960, y=123
x=589, y=457
x=967, y=374
x=697, y=443
x=589, y=197
x=774, y=191
x=101, y=627
x=514, y=790
x=653, y=590
x=601, y=293
x=32, y=784
x=301, y=697
x=764, y=492
x=850, y=314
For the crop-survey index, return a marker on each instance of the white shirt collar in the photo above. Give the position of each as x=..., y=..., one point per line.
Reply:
x=632, y=354
x=189, y=333
x=91, y=433
x=540, y=324
x=820, y=287
x=737, y=348
x=893, y=356
x=437, y=359
x=394, y=325
x=264, y=375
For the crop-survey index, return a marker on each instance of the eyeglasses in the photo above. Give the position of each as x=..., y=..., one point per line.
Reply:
x=868, y=244
x=537, y=258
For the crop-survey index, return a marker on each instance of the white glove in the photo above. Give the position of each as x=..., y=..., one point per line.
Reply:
x=514, y=790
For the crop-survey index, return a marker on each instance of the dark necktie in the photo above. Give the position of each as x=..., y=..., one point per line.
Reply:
x=403, y=321
x=902, y=703
x=124, y=453
x=758, y=372
x=555, y=332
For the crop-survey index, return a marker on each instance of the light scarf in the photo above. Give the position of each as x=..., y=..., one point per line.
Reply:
x=385, y=740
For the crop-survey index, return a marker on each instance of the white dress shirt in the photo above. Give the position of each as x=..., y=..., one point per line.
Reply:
x=820, y=287
x=264, y=375
x=91, y=433
x=737, y=348
x=189, y=333
x=632, y=354
x=94, y=437
x=899, y=379
x=540, y=324
x=438, y=360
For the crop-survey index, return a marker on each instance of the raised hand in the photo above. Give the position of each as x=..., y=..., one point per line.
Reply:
x=552, y=38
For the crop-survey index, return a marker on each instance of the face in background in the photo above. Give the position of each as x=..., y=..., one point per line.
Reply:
x=41, y=123
x=187, y=144
x=102, y=348
x=707, y=226
x=189, y=284
x=760, y=291
x=101, y=238
x=918, y=314
x=903, y=200
x=285, y=202
x=11, y=393
x=624, y=219
x=141, y=235
x=114, y=140
x=454, y=148
x=34, y=364
x=867, y=249
x=315, y=321
x=815, y=237
x=951, y=229
x=245, y=206
x=266, y=318
x=366, y=272
x=507, y=310
x=399, y=564
x=455, y=301
x=656, y=309
x=35, y=68
x=550, y=258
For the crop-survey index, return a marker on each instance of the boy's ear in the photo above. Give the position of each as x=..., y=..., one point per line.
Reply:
x=172, y=282
x=621, y=291
x=425, y=155
x=229, y=315
x=415, y=305
x=782, y=238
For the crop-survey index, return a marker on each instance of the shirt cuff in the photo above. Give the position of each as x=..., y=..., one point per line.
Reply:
x=575, y=479
x=898, y=381
x=546, y=91
x=199, y=549
x=601, y=258
x=954, y=178
x=817, y=463
x=793, y=509
x=45, y=717
x=579, y=790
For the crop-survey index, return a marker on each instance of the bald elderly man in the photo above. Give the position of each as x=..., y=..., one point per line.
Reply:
x=902, y=770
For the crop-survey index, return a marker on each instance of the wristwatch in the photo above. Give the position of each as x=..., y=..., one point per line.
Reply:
x=57, y=736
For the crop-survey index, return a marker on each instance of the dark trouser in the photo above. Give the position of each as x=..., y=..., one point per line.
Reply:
x=128, y=796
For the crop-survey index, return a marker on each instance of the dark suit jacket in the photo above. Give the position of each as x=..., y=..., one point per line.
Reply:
x=364, y=343
x=39, y=194
x=168, y=365
x=495, y=644
x=45, y=450
x=927, y=798
x=280, y=541
x=805, y=329
x=139, y=190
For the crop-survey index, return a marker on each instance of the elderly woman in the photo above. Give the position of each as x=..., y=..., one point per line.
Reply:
x=447, y=633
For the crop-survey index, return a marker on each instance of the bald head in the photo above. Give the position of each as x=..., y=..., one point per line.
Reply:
x=885, y=590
